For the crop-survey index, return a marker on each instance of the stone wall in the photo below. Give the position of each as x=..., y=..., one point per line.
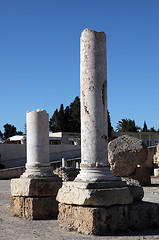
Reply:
x=67, y=151
x=10, y=173
x=14, y=155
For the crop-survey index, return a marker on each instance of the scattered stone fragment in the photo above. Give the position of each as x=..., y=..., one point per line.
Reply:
x=125, y=153
x=135, y=188
x=66, y=173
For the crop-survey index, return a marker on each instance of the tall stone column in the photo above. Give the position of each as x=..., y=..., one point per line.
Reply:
x=33, y=195
x=82, y=202
x=37, y=145
x=94, y=124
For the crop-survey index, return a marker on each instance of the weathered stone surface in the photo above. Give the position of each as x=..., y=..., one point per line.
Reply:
x=135, y=188
x=93, y=79
x=94, y=132
x=125, y=153
x=156, y=172
x=35, y=187
x=17, y=206
x=104, y=195
x=37, y=145
x=142, y=175
x=156, y=155
x=106, y=220
x=66, y=173
x=34, y=208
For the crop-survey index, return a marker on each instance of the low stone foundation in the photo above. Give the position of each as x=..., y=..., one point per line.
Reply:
x=34, y=208
x=34, y=198
x=106, y=220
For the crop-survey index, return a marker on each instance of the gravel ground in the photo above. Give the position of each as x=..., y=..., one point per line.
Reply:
x=14, y=228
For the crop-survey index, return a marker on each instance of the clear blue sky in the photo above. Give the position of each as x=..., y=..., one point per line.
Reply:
x=39, y=56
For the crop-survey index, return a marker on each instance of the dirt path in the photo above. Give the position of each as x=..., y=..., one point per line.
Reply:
x=14, y=228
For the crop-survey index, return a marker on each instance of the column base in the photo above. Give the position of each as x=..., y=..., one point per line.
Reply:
x=37, y=171
x=106, y=220
x=34, y=198
x=94, y=194
x=96, y=174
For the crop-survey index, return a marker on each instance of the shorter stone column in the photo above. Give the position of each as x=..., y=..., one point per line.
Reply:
x=33, y=195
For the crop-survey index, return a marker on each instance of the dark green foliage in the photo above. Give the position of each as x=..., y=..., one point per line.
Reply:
x=145, y=127
x=19, y=133
x=152, y=129
x=110, y=128
x=9, y=130
x=75, y=114
x=126, y=125
x=1, y=134
x=66, y=120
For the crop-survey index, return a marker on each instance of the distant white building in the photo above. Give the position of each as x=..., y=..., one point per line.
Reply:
x=64, y=138
x=1, y=140
x=17, y=139
x=54, y=139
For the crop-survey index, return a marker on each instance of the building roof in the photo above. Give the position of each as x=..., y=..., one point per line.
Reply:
x=16, y=138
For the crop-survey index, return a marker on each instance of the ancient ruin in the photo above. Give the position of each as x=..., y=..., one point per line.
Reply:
x=96, y=202
x=125, y=153
x=33, y=195
x=156, y=161
x=95, y=185
x=126, y=156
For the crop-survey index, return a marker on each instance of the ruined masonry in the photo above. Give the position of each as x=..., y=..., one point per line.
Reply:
x=96, y=202
x=95, y=186
x=33, y=195
x=156, y=161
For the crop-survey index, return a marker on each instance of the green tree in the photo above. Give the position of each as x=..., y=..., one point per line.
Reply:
x=66, y=120
x=75, y=115
x=9, y=130
x=110, y=128
x=152, y=129
x=54, y=123
x=145, y=127
x=126, y=125
x=19, y=133
x=1, y=134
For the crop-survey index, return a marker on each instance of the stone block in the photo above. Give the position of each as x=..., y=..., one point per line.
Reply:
x=34, y=208
x=94, y=194
x=106, y=220
x=66, y=173
x=156, y=172
x=125, y=153
x=35, y=187
x=17, y=206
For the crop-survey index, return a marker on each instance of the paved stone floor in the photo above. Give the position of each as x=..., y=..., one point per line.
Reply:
x=14, y=228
